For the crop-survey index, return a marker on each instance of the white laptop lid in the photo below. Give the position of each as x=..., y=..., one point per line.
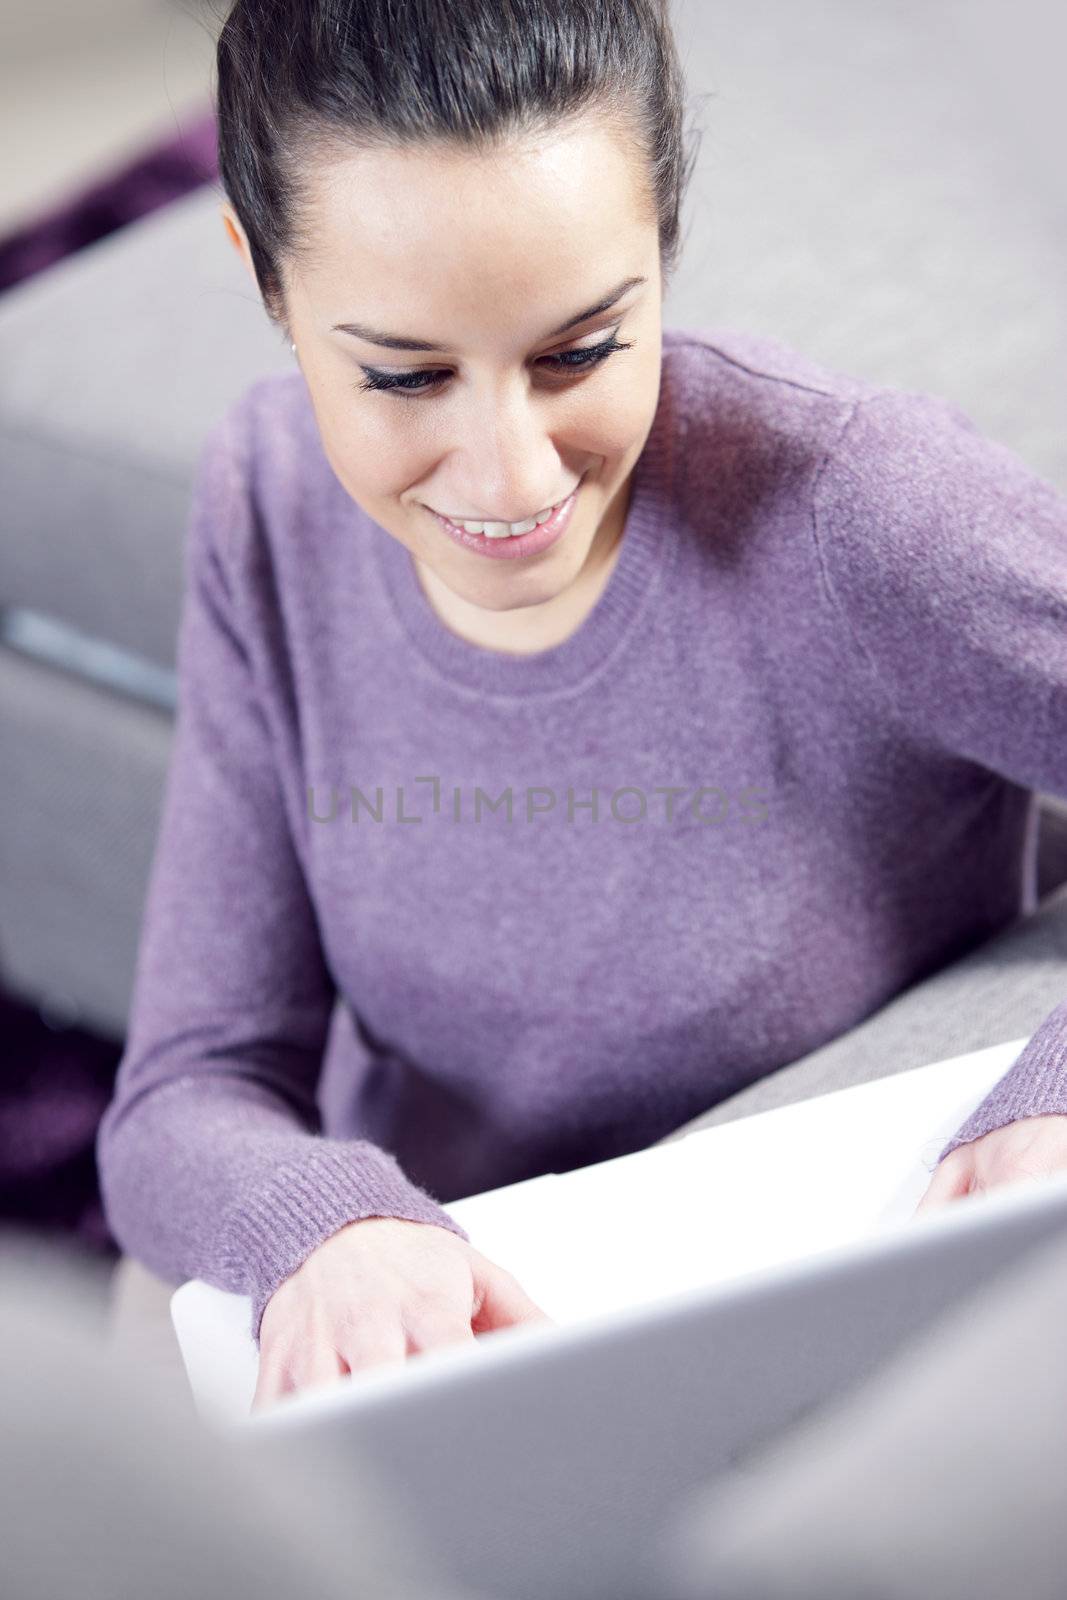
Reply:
x=730, y=1200
x=555, y=1464
x=710, y=1293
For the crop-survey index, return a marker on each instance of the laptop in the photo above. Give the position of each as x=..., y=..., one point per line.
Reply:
x=709, y=1294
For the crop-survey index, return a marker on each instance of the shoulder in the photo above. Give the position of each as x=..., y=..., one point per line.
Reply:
x=752, y=411
x=867, y=450
x=262, y=469
x=266, y=428
x=945, y=554
x=757, y=364
x=768, y=384
x=910, y=478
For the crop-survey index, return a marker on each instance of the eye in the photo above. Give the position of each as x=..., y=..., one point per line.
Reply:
x=408, y=383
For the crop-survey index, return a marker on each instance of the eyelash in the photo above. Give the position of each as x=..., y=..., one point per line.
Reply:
x=408, y=384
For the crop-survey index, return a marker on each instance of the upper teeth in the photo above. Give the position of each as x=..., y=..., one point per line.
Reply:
x=507, y=530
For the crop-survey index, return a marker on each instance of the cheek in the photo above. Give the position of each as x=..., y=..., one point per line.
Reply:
x=379, y=446
x=617, y=417
x=373, y=460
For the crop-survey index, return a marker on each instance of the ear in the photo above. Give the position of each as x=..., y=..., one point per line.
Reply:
x=237, y=238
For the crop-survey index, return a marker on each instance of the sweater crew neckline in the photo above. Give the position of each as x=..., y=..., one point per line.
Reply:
x=636, y=574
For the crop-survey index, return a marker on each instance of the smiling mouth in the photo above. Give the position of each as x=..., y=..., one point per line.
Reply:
x=529, y=539
x=543, y=515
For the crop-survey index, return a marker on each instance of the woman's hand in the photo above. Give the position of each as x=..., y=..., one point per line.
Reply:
x=373, y=1293
x=1032, y=1147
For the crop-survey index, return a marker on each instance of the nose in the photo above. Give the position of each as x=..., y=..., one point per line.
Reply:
x=499, y=461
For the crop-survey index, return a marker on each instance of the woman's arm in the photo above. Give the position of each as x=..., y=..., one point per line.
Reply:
x=210, y=1157
x=947, y=557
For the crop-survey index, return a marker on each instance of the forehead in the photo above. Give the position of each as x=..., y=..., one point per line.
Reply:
x=439, y=228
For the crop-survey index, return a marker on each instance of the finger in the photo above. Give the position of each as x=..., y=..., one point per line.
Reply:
x=501, y=1301
x=317, y=1363
x=952, y=1180
x=373, y=1345
x=272, y=1381
x=430, y=1330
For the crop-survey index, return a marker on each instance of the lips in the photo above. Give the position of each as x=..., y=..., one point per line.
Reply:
x=457, y=521
x=517, y=546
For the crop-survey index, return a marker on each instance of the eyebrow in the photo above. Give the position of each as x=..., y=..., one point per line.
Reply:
x=390, y=341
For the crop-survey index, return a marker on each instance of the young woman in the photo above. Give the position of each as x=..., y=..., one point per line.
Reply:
x=609, y=715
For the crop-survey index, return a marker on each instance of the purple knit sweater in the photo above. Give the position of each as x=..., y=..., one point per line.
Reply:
x=544, y=909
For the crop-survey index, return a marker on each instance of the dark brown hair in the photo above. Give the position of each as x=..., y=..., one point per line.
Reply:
x=299, y=81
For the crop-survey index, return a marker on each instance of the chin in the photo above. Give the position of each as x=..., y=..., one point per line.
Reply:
x=515, y=595
x=505, y=588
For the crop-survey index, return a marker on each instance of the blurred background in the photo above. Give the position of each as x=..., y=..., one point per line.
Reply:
x=84, y=83
x=880, y=185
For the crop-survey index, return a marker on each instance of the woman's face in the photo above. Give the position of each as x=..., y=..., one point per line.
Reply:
x=484, y=260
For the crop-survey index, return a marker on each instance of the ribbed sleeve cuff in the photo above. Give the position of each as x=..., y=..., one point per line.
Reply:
x=1035, y=1085
x=273, y=1231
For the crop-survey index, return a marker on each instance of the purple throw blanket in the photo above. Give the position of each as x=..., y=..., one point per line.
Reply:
x=161, y=174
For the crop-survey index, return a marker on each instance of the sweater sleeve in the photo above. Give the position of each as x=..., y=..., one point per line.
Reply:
x=947, y=559
x=210, y=1155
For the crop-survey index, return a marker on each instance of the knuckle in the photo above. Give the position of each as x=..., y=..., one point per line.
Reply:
x=431, y=1299
x=440, y=1330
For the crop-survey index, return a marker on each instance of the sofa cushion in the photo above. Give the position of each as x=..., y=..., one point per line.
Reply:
x=113, y=365
x=83, y=779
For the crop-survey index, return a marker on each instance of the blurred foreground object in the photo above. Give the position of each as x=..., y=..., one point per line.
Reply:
x=110, y=1490
x=945, y=1476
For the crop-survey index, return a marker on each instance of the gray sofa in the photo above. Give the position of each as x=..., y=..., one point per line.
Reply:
x=811, y=217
